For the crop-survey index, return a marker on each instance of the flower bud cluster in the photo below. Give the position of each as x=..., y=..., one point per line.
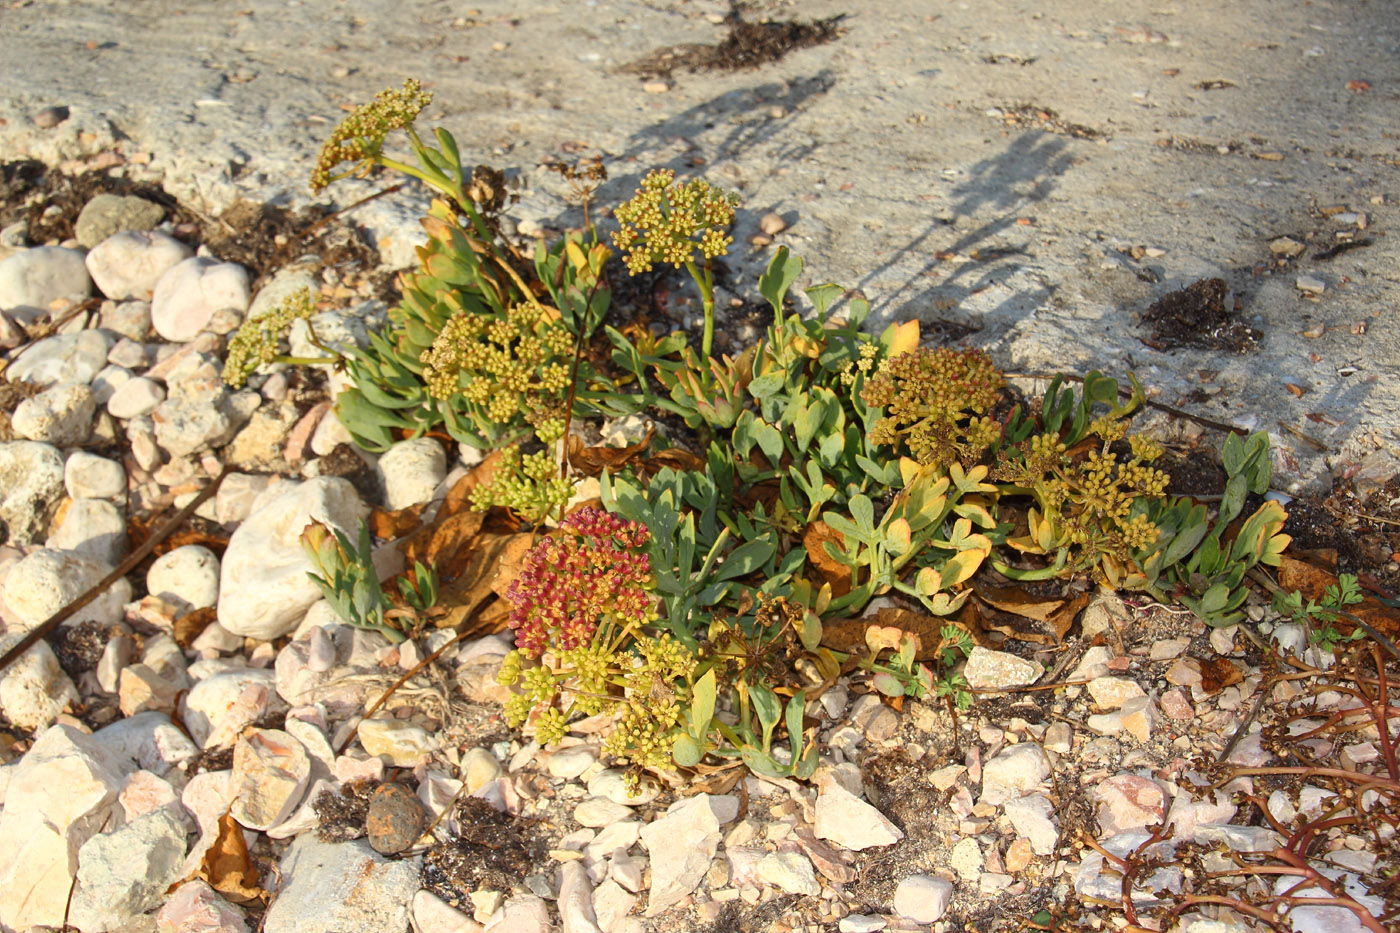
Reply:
x=594, y=574
x=359, y=137
x=933, y=399
x=506, y=367
x=529, y=485
x=663, y=220
x=258, y=341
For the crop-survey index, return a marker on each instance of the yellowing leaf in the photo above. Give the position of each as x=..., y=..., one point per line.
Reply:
x=905, y=338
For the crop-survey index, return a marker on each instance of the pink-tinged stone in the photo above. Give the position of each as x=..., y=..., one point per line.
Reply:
x=271, y=770
x=195, y=907
x=144, y=793
x=1175, y=704
x=294, y=449
x=1128, y=802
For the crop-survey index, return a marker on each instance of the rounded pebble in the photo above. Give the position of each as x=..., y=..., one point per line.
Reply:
x=187, y=575
x=394, y=820
x=88, y=476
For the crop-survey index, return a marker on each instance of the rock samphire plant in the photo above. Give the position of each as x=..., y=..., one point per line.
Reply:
x=694, y=602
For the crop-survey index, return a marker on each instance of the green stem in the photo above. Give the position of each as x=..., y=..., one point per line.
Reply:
x=706, y=283
x=307, y=360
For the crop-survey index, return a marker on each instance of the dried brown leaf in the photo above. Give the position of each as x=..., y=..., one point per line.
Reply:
x=827, y=567
x=227, y=866
x=592, y=461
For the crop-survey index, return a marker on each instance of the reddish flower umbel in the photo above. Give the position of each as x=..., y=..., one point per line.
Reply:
x=571, y=583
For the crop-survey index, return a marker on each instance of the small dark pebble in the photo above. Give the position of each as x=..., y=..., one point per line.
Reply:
x=50, y=117
x=395, y=819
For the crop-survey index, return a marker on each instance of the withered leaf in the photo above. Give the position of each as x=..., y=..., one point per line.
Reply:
x=591, y=461
x=493, y=562
x=388, y=526
x=1055, y=614
x=448, y=543
x=1219, y=673
x=189, y=626
x=848, y=635
x=227, y=866
x=827, y=567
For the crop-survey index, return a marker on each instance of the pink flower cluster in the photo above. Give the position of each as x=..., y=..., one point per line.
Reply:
x=573, y=582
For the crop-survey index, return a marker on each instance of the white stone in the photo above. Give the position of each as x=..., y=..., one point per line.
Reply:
x=146, y=792
x=284, y=284
x=329, y=434
x=410, y=471
x=1033, y=818
x=63, y=358
x=234, y=500
x=149, y=741
x=791, y=872
x=61, y=794
x=139, y=396
x=195, y=907
x=524, y=913
x=1013, y=771
x=88, y=476
x=186, y=576
x=431, y=914
x=848, y=821
x=263, y=588
x=31, y=484
x=922, y=898
x=106, y=383
x=129, y=264
x=130, y=319
x=995, y=670
x=125, y=872
x=34, y=689
x=608, y=783
x=966, y=859
x=1113, y=692
x=611, y=905
x=341, y=887
x=33, y=281
x=403, y=744
x=863, y=923
x=189, y=293
x=681, y=845
x=61, y=415
x=46, y=580
x=479, y=768
x=575, y=901
x=93, y=528
x=569, y=763
x=271, y=770
x=596, y=812
x=219, y=707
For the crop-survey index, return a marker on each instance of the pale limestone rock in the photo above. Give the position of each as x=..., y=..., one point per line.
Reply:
x=128, y=265
x=34, y=689
x=790, y=872
x=343, y=887
x=402, y=744
x=1015, y=770
x=264, y=589
x=996, y=670
x=271, y=770
x=848, y=821
x=125, y=872
x=61, y=415
x=195, y=907
x=46, y=580
x=221, y=706
x=682, y=844
x=60, y=795
x=92, y=528
x=922, y=898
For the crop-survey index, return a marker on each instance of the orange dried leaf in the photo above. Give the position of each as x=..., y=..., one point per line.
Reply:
x=227, y=866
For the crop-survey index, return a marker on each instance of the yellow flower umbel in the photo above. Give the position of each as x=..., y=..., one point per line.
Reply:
x=359, y=137
x=670, y=222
